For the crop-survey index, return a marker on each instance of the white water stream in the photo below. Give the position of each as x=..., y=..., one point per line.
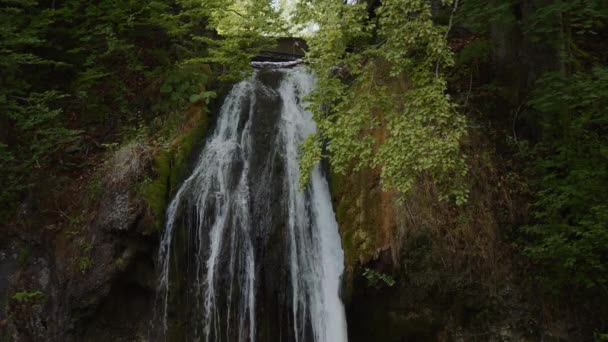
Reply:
x=216, y=205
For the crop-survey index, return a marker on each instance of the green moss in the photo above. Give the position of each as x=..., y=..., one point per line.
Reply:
x=155, y=191
x=171, y=166
x=121, y=263
x=361, y=212
x=28, y=296
x=184, y=150
x=25, y=255
x=95, y=189
x=84, y=264
x=358, y=213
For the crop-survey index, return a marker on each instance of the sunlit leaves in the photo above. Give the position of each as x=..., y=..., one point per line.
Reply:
x=246, y=27
x=381, y=100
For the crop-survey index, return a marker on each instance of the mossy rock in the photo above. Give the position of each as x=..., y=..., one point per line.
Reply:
x=172, y=164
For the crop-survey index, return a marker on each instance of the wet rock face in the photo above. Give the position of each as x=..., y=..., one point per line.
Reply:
x=25, y=282
x=114, y=210
x=12, y=258
x=8, y=266
x=93, y=282
x=114, y=269
x=268, y=207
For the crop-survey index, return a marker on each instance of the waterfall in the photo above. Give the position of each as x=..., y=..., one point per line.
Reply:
x=247, y=255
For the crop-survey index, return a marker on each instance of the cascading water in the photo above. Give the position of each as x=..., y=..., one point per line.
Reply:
x=245, y=255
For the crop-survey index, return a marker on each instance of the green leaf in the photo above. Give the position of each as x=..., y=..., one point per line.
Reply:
x=195, y=98
x=166, y=89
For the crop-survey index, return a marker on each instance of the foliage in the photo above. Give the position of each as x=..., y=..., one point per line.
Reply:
x=77, y=76
x=377, y=279
x=30, y=113
x=121, y=263
x=383, y=72
x=247, y=27
x=566, y=111
x=184, y=85
x=570, y=234
x=28, y=296
x=24, y=257
x=478, y=15
x=85, y=262
x=559, y=21
x=599, y=337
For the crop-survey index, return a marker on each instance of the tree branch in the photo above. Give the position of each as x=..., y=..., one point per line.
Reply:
x=235, y=12
x=447, y=32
